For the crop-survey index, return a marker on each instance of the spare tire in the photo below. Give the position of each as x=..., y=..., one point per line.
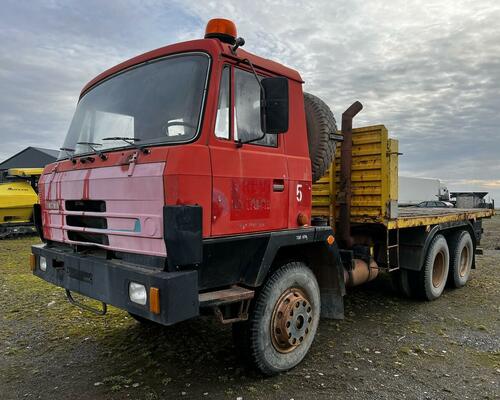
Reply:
x=320, y=127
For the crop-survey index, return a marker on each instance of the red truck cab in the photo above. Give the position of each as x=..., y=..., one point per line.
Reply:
x=188, y=106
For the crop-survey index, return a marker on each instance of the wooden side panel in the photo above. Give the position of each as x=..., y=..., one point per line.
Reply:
x=374, y=178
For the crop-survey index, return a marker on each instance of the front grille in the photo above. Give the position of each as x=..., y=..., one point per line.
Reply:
x=88, y=237
x=86, y=205
x=85, y=221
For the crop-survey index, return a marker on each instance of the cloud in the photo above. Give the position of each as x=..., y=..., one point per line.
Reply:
x=428, y=70
x=50, y=50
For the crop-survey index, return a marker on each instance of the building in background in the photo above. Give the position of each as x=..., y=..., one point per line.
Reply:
x=30, y=157
x=471, y=200
x=412, y=191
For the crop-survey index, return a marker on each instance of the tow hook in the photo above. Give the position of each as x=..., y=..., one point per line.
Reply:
x=93, y=310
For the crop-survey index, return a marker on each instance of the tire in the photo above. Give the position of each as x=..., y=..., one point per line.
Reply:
x=292, y=289
x=320, y=125
x=434, y=274
x=461, y=256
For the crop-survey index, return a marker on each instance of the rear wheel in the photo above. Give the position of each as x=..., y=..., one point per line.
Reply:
x=461, y=255
x=432, y=278
x=283, y=321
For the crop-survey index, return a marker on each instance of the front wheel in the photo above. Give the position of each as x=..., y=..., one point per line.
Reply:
x=284, y=320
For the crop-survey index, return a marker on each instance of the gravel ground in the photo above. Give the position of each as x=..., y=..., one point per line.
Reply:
x=386, y=348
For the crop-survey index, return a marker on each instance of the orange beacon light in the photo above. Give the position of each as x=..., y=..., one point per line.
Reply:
x=222, y=29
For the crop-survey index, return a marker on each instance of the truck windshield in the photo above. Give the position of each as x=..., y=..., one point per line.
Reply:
x=156, y=102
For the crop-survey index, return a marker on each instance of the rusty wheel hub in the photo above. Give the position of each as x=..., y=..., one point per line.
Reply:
x=438, y=270
x=291, y=320
x=464, y=261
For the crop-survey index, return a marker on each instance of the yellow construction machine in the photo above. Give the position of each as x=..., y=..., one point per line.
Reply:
x=17, y=197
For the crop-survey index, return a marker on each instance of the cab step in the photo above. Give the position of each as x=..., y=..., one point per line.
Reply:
x=225, y=296
x=229, y=305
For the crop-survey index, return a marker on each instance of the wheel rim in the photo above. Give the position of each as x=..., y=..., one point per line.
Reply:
x=464, y=261
x=438, y=270
x=291, y=320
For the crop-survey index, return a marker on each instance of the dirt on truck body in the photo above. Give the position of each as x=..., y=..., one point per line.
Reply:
x=199, y=179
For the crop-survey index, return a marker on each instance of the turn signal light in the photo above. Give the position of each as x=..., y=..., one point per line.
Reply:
x=222, y=29
x=330, y=239
x=154, y=300
x=32, y=262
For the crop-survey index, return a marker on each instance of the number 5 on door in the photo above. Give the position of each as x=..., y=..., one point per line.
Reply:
x=299, y=192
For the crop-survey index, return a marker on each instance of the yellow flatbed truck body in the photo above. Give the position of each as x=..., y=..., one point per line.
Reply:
x=375, y=187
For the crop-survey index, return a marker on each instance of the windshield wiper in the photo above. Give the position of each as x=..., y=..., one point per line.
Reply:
x=130, y=141
x=68, y=152
x=93, y=146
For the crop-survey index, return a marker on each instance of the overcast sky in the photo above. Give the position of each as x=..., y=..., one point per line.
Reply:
x=428, y=70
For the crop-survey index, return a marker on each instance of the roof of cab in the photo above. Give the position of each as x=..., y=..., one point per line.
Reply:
x=212, y=46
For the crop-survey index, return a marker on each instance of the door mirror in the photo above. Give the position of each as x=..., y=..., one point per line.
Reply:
x=274, y=105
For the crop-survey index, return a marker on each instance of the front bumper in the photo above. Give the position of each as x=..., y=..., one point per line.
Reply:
x=108, y=281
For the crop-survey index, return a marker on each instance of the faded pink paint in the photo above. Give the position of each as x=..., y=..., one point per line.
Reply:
x=132, y=200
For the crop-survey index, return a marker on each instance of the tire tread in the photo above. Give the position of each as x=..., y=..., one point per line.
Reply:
x=321, y=147
x=425, y=274
x=453, y=242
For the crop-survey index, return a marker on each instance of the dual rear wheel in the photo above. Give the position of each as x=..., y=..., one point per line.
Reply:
x=447, y=261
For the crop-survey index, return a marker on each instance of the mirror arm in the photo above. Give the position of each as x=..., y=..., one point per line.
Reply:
x=246, y=60
x=240, y=143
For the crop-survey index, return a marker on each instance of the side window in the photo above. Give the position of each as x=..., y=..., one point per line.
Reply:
x=247, y=110
x=222, y=120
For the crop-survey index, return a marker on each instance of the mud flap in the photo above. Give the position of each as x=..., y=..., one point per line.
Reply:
x=330, y=274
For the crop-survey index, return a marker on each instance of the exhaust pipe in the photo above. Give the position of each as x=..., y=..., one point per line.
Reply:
x=345, y=193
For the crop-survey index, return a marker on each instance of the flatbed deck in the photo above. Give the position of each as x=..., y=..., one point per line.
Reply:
x=418, y=216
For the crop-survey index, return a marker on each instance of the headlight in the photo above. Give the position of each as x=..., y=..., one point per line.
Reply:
x=137, y=293
x=43, y=263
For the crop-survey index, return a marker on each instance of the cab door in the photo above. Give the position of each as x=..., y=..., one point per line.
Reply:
x=250, y=181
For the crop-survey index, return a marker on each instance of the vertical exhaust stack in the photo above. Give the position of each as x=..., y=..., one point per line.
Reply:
x=361, y=271
x=345, y=194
